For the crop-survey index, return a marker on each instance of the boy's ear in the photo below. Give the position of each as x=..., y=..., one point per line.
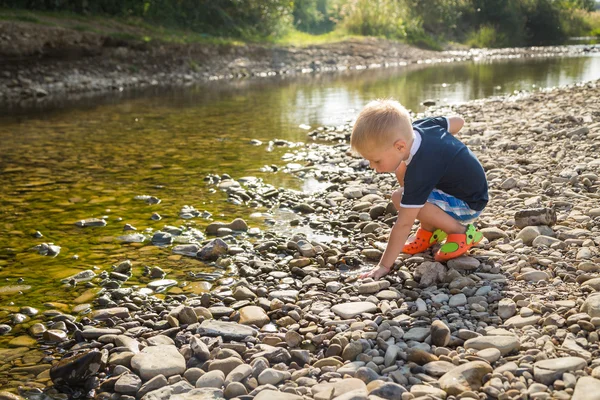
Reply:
x=400, y=144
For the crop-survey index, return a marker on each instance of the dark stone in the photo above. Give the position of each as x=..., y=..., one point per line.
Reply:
x=213, y=250
x=75, y=370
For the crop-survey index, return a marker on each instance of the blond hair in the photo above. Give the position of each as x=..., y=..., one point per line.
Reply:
x=380, y=124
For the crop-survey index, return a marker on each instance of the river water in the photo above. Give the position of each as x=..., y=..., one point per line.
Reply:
x=92, y=158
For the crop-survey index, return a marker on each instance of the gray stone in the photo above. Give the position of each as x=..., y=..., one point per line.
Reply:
x=226, y=330
x=273, y=377
x=457, y=300
x=440, y=333
x=157, y=382
x=211, y=379
x=464, y=263
x=389, y=390
x=519, y=322
x=226, y=365
x=200, y=394
x=547, y=371
x=213, y=250
x=505, y=344
x=465, y=377
x=276, y=395
x=238, y=374
x=529, y=233
x=506, y=308
x=430, y=273
x=168, y=392
x=158, y=360
x=418, y=334
x=591, y=305
x=350, y=310
x=587, y=388
x=128, y=384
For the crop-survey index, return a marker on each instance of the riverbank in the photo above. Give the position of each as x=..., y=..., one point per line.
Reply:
x=516, y=318
x=42, y=63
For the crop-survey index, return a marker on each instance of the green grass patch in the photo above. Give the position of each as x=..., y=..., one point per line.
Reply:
x=302, y=39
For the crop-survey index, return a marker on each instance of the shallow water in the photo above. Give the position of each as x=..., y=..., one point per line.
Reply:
x=90, y=159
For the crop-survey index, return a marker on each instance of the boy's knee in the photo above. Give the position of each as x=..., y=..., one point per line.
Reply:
x=397, y=198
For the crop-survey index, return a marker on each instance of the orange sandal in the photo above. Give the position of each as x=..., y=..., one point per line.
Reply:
x=458, y=244
x=423, y=240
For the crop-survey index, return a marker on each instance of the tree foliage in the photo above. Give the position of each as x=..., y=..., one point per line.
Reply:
x=478, y=22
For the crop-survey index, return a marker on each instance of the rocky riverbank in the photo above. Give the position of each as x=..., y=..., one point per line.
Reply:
x=518, y=318
x=41, y=63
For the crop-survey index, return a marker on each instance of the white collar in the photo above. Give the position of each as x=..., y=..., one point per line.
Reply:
x=415, y=146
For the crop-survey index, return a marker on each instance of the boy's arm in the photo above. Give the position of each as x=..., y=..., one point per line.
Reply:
x=455, y=124
x=398, y=236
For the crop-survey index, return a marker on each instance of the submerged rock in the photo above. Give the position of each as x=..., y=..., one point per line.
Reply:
x=75, y=370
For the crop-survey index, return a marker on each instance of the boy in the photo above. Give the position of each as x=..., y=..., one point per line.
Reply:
x=444, y=183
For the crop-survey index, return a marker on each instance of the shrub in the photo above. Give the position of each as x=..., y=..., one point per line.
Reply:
x=486, y=36
x=375, y=18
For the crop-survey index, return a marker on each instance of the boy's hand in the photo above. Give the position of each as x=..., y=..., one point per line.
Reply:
x=398, y=236
x=400, y=171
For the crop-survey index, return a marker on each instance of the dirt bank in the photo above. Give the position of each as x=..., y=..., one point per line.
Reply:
x=39, y=62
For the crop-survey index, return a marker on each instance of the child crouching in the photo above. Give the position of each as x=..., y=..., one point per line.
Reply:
x=442, y=184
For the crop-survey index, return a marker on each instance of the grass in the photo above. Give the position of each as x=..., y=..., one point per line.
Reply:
x=302, y=39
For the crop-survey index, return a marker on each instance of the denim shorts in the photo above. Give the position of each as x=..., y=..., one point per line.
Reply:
x=454, y=207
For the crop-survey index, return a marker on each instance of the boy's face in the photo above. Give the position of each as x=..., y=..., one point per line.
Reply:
x=387, y=159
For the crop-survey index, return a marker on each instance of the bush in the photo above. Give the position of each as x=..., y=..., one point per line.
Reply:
x=543, y=22
x=238, y=18
x=486, y=36
x=312, y=16
x=375, y=18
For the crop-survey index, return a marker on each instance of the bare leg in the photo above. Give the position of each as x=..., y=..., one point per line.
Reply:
x=432, y=217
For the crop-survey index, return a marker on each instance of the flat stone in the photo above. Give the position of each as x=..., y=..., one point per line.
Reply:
x=519, y=322
x=457, y=300
x=158, y=360
x=464, y=263
x=389, y=390
x=533, y=276
x=529, y=233
x=226, y=330
x=587, y=388
x=491, y=355
x=199, y=394
x=284, y=295
x=350, y=310
x=465, y=377
x=272, y=376
x=95, y=333
x=418, y=334
x=211, y=379
x=547, y=371
x=157, y=382
x=169, y=392
x=427, y=391
x=161, y=283
x=128, y=384
x=226, y=365
x=335, y=389
x=438, y=368
x=505, y=344
x=276, y=395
